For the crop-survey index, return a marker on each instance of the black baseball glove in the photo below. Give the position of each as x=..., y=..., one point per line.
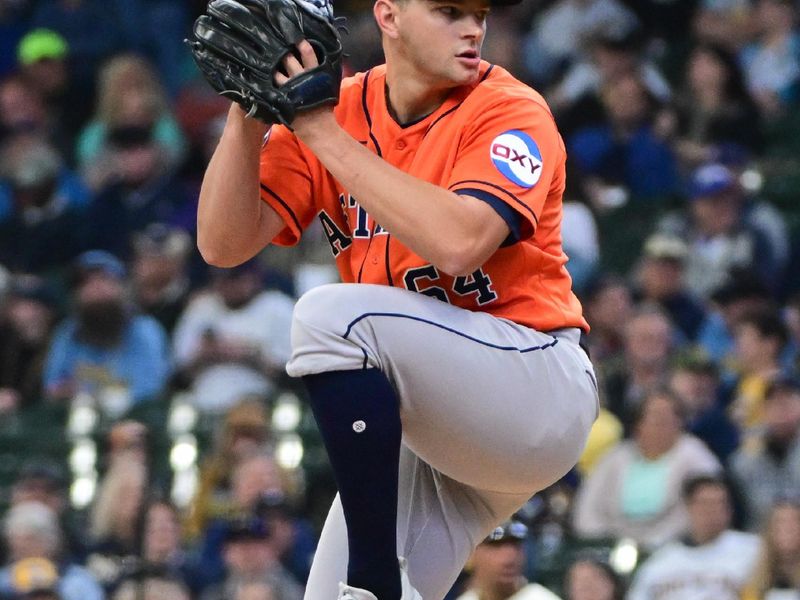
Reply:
x=240, y=44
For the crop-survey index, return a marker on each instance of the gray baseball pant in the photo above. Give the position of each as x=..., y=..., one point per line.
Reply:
x=492, y=412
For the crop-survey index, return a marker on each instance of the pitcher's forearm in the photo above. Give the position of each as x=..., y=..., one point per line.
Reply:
x=230, y=212
x=456, y=234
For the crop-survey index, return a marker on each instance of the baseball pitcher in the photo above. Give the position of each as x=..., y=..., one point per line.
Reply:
x=445, y=372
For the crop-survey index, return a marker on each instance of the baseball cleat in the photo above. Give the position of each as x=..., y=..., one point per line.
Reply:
x=409, y=593
x=347, y=592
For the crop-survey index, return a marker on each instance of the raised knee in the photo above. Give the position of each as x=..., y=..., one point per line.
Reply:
x=320, y=321
x=322, y=307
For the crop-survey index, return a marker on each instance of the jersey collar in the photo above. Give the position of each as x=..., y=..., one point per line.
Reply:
x=455, y=98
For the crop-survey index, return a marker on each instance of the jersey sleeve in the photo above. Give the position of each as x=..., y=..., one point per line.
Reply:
x=509, y=157
x=287, y=183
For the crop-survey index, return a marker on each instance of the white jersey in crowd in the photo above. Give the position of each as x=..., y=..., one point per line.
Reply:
x=532, y=591
x=263, y=323
x=714, y=571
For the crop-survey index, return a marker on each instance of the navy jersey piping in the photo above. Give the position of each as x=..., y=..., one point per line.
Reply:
x=453, y=108
x=366, y=113
x=380, y=153
x=451, y=330
x=450, y=110
x=284, y=204
x=388, y=261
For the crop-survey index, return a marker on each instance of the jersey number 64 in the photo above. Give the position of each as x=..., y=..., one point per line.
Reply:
x=478, y=283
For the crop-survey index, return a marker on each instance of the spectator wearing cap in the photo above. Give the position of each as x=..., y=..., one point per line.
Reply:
x=35, y=579
x=759, y=213
x=42, y=207
x=660, y=277
x=26, y=321
x=635, y=490
x=710, y=561
x=591, y=578
x=104, y=348
x=767, y=466
x=89, y=45
x=43, y=58
x=695, y=381
x=719, y=234
x=31, y=531
x=42, y=53
x=496, y=568
x=233, y=340
x=160, y=278
x=250, y=557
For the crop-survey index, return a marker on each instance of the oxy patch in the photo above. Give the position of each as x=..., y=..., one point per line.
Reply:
x=517, y=157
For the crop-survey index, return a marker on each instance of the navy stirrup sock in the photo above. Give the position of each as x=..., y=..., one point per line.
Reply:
x=358, y=415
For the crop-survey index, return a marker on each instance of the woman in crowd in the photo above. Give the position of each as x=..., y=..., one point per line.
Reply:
x=777, y=576
x=131, y=105
x=713, y=109
x=243, y=434
x=635, y=490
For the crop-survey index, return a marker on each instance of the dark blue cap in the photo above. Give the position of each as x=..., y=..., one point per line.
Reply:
x=510, y=530
x=102, y=261
x=710, y=180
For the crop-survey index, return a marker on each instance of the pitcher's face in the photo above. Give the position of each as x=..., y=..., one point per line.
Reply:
x=442, y=39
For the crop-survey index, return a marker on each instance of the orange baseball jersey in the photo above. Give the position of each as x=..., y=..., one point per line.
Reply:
x=496, y=141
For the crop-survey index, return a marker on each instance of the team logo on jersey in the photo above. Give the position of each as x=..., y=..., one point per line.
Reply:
x=517, y=156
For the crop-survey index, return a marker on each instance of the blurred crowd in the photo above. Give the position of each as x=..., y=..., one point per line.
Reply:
x=151, y=445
